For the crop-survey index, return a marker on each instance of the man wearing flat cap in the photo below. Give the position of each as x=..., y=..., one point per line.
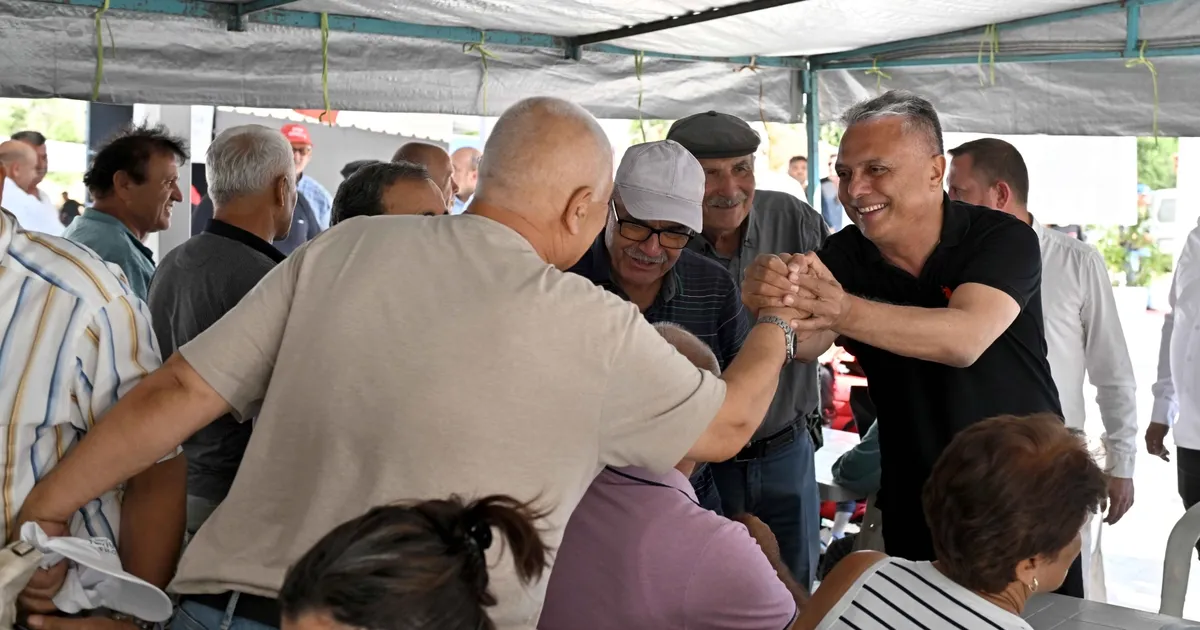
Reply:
x=642, y=257
x=773, y=477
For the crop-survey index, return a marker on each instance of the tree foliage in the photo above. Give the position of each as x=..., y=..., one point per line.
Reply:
x=1156, y=162
x=57, y=119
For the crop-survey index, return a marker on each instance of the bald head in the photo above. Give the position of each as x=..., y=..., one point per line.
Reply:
x=466, y=171
x=20, y=162
x=436, y=161
x=550, y=162
x=690, y=346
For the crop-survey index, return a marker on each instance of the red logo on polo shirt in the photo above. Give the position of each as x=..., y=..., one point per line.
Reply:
x=946, y=292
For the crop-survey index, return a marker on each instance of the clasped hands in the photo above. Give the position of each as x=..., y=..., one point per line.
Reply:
x=798, y=288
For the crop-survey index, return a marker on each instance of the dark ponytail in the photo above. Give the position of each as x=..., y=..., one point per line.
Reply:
x=414, y=567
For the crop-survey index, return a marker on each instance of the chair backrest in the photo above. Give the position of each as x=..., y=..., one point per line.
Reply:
x=1178, y=562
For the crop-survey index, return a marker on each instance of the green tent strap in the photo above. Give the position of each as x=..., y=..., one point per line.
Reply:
x=880, y=75
x=324, y=64
x=762, y=111
x=484, y=55
x=99, y=51
x=990, y=41
x=639, y=60
x=1142, y=61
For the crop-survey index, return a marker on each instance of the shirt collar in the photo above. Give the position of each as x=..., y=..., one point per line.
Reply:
x=93, y=214
x=637, y=475
x=1037, y=226
x=596, y=265
x=954, y=226
x=249, y=239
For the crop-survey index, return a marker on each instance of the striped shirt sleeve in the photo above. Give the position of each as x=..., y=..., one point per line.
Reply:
x=116, y=351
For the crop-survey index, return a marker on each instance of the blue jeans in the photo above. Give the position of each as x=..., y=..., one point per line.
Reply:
x=706, y=489
x=193, y=616
x=780, y=489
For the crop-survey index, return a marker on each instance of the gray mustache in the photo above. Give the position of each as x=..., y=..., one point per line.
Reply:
x=636, y=254
x=725, y=202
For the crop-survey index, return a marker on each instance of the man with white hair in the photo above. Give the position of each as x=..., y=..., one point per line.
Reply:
x=252, y=182
x=564, y=378
x=939, y=300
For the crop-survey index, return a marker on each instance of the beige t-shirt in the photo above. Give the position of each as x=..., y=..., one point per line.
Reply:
x=400, y=358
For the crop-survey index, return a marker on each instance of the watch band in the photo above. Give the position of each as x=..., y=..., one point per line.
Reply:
x=788, y=334
x=143, y=625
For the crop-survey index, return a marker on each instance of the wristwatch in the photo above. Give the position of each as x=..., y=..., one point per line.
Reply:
x=788, y=334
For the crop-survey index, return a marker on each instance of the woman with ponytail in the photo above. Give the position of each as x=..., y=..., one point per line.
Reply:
x=418, y=566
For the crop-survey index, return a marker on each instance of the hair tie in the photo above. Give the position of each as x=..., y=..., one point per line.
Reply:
x=480, y=535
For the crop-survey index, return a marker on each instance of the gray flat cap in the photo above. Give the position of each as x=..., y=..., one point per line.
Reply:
x=713, y=135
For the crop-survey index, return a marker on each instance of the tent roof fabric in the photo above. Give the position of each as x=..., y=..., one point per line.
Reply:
x=417, y=57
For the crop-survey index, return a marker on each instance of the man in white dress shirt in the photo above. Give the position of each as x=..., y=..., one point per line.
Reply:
x=21, y=161
x=1176, y=404
x=1083, y=332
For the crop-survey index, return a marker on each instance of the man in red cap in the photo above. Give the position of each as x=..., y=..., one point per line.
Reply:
x=314, y=193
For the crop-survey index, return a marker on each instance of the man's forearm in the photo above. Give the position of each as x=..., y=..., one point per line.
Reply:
x=1118, y=411
x=799, y=593
x=940, y=335
x=170, y=406
x=153, y=517
x=750, y=384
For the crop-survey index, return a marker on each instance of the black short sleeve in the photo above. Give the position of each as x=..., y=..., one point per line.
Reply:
x=1006, y=257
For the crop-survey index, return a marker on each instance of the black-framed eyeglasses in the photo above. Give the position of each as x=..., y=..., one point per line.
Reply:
x=640, y=233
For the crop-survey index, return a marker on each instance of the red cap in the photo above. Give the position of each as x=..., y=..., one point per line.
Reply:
x=296, y=134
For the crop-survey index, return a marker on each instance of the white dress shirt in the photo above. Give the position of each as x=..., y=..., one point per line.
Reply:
x=1083, y=335
x=1177, y=390
x=34, y=214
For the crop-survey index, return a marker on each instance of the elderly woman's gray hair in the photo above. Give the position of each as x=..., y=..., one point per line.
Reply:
x=246, y=160
x=690, y=346
x=919, y=113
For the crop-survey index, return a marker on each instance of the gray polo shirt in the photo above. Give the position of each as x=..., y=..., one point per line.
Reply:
x=196, y=284
x=778, y=224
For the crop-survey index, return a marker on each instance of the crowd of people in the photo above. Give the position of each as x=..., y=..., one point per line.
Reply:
x=319, y=411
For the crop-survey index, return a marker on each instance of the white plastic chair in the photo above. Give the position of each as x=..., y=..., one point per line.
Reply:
x=1178, y=562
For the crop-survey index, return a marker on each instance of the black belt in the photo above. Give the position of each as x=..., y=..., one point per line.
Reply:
x=264, y=610
x=777, y=441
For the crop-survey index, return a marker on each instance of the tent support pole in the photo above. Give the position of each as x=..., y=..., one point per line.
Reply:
x=1133, y=27
x=697, y=17
x=812, y=124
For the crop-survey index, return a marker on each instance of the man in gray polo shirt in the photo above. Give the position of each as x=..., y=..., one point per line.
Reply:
x=252, y=182
x=773, y=477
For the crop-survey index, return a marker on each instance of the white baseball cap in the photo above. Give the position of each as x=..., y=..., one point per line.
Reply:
x=97, y=579
x=662, y=181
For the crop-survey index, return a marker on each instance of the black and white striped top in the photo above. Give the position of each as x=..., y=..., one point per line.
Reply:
x=897, y=594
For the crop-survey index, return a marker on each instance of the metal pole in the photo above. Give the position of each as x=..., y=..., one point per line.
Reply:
x=812, y=123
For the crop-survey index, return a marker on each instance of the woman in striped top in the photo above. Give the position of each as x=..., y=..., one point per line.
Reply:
x=1005, y=503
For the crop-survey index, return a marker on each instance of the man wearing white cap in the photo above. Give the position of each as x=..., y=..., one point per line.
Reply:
x=656, y=209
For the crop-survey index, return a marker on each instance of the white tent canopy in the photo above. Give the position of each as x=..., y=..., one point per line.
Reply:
x=418, y=57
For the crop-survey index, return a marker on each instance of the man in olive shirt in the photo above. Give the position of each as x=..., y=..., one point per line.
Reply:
x=773, y=477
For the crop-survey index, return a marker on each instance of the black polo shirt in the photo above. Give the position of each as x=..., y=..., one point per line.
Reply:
x=922, y=404
x=697, y=294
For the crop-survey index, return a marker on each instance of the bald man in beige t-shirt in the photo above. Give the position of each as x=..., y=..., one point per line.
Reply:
x=455, y=356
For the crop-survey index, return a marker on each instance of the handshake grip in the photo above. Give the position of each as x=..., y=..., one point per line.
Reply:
x=18, y=562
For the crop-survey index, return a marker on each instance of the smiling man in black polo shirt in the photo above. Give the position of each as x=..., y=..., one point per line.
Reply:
x=940, y=301
x=252, y=181
x=640, y=256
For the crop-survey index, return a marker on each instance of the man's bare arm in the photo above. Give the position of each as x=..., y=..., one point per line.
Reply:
x=750, y=383
x=144, y=426
x=956, y=335
x=153, y=518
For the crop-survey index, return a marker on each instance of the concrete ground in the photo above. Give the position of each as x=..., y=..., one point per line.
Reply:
x=1134, y=548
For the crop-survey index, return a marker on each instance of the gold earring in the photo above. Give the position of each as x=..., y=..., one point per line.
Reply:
x=1034, y=588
